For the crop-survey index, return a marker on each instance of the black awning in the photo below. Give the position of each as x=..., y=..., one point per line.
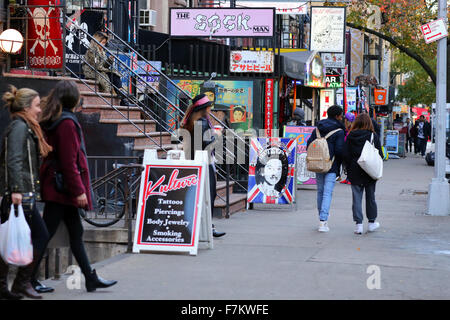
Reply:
x=294, y=63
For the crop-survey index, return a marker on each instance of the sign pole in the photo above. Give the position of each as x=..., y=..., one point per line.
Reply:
x=438, y=192
x=345, y=90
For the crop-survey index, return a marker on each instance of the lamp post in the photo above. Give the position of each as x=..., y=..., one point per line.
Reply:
x=438, y=193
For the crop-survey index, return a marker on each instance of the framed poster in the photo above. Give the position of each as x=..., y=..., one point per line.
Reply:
x=351, y=93
x=327, y=29
x=173, y=200
x=301, y=134
x=271, y=171
x=391, y=143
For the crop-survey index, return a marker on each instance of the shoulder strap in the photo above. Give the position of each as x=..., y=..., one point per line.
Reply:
x=371, y=138
x=318, y=133
x=331, y=133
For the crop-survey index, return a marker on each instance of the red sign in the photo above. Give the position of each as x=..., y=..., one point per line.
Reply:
x=380, y=96
x=45, y=44
x=434, y=30
x=269, y=107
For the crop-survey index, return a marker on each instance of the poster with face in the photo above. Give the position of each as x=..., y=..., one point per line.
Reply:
x=237, y=114
x=169, y=206
x=226, y=95
x=271, y=170
x=301, y=134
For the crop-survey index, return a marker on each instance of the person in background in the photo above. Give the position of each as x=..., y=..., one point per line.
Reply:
x=98, y=67
x=23, y=144
x=326, y=181
x=361, y=131
x=348, y=121
x=423, y=129
x=298, y=119
x=198, y=114
x=409, y=138
x=68, y=157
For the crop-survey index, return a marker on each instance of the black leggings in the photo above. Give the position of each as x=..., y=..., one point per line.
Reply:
x=116, y=81
x=53, y=214
x=212, y=187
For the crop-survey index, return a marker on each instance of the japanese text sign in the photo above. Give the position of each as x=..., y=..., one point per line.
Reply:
x=251, y=61
x=268, y=97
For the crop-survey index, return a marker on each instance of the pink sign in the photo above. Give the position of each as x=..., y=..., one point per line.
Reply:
x=220, y=22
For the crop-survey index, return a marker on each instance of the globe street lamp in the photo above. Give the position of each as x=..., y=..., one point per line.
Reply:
x=11, y=41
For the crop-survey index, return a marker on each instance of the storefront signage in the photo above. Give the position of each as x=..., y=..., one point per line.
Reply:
x=272, y=170
x=148, y=72
x=222, y=22
x=45, y=39
x=333, y=60
x=268, y=97
x=251, y=61
x=326, y=101
x=172, y=200
x=328, y=29
x=315, y=72
x=380, y=96
x=301, y=134
x=281, y=7
x=434, y=30
x=333, y=81
x=351, y=93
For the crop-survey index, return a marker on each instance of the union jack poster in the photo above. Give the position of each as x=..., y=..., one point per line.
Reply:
x=272, y=171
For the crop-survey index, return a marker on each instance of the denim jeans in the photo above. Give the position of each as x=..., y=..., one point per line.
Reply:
x=325, y=186
x=422, y=145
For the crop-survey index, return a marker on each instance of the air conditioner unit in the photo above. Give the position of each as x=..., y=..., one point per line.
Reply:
x=147, y=18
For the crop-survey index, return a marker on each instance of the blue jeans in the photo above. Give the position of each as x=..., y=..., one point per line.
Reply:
x=325, y=186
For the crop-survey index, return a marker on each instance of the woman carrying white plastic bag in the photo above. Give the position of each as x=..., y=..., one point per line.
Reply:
x=22, y=144
x=362, y=130
x=15, y=238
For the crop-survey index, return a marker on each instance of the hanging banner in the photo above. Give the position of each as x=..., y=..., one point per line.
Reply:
x=301, y=135
x=222, y=22
x=327, y=29
x=45, y=38
x=326, y=101
x=269, y=107
x=380, y=96
x=251, y=61
x=351, y=93
x=271, y=171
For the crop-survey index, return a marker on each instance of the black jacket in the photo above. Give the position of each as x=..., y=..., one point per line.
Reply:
x=205, y=139
x=426, y=129
x=352, y=151
x=335, y=142
x=21, y=142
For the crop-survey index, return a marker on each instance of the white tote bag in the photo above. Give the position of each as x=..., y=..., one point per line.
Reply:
x=15, y=237
x=370, y=160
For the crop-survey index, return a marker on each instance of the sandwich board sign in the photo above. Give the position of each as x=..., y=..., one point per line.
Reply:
x=174, y=208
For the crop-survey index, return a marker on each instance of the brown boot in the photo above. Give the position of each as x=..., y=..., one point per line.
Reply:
x=5, y=294
x=22, y=284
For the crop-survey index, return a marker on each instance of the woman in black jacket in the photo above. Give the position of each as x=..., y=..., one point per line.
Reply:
x=23, y=144
x=198, y=114
x=361, y=131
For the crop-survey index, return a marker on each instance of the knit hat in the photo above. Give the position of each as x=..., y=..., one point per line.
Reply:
x=300, y=113
x=200, y=102
x=350, y=116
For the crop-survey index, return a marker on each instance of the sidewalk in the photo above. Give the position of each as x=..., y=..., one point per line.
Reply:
x=278, y=254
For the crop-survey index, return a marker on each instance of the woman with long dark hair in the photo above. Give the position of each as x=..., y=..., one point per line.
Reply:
x=23, y=144
x=198, y=114
x=65, y=176
x=362, y=130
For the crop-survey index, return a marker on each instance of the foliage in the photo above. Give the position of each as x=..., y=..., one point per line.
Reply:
x=417, y=88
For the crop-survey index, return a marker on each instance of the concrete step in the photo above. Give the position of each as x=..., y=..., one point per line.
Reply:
x=108, y=113
x=146, y=126
x=221, y=188
x=238, y=202
x=86, y=85
x=159, y=138
x=99, y=98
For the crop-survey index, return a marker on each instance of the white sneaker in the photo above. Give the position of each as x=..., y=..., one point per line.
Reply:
x=359, y=228
x=323, y=226
x=373, y=226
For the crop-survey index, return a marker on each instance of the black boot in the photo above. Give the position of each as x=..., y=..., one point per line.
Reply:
x=22, y=283
x=40, y=288
x=5, y=294
x=216, y=233
x=93, y=282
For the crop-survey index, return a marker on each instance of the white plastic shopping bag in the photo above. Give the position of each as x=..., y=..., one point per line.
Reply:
x=15, y=236
x=370, y=160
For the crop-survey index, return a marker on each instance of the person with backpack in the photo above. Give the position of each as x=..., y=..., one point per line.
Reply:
x=361, y=131
x=325, y=159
